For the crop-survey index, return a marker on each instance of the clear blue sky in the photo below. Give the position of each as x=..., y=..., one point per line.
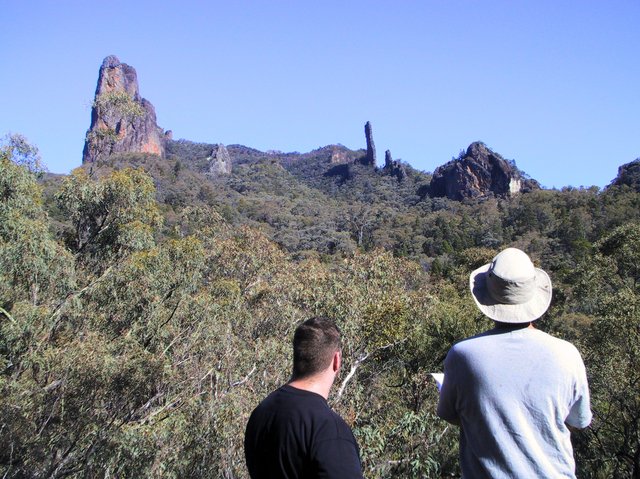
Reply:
x=553, y=85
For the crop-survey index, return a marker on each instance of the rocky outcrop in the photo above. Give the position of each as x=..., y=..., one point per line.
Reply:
x=339, y=156
x=219, y=161
x=121, y=121
x=370, y=158
x=393, y=167
x=477, y=173
x=628, y=175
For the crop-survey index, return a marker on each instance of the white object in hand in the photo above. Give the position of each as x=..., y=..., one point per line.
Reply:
x=439, y=377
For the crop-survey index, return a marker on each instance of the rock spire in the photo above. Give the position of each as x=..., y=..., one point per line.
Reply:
x=219, y=161
x=394, y=167
x=121, y=120
x=370, y=159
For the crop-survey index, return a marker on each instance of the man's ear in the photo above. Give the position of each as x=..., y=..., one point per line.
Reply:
x=337, y=361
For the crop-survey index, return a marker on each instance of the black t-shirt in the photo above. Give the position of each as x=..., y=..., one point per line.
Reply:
x=294, y=434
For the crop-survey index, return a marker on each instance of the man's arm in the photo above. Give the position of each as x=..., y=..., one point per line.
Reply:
x=455, y=421
x=337, y=459
x=446, y=409
x=448, y=393
x=574, y=429
x=580, y=412
x=335, y=453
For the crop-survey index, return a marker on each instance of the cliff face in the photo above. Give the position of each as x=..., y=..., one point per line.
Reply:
x=339, y=156
x=629, y=175
x=219, y=161
x=121, y=121
x=479, y=172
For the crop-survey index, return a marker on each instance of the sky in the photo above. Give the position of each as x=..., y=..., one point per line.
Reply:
x=551, y=84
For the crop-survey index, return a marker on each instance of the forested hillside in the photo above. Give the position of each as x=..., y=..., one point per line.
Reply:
x=147, y=305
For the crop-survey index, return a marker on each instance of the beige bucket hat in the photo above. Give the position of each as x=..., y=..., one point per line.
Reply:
x=510, y=289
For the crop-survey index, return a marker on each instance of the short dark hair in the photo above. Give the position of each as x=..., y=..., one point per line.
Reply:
x=314, y=343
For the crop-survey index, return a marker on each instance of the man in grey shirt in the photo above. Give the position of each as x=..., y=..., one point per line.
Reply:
x=514, y=390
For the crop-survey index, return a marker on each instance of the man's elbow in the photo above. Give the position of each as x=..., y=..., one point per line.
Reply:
x=578, y=422
x=455, y=421
x=576, y=428
x=450, y=418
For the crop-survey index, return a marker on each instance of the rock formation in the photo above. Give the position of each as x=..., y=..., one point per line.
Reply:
x=370, y=159
x=121, y=121
x=478, y=173
x=394, y=167
x=339, y=156
x=629, y=175
x=219, y=161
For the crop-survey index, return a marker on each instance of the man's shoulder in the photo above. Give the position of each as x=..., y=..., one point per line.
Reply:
x=558, y=344
x=335, y=424
x=532, y=335
x=533, y=340
x=474, y=342
x=289, y=404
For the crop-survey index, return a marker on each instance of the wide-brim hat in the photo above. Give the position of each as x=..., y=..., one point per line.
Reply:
x=510, y=289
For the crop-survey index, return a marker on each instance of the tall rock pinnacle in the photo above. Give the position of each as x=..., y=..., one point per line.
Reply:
x=370, y=159
x=121, y=121
x=219, y=161
x=394, y=167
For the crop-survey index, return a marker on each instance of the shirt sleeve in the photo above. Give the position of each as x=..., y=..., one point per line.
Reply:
x=338, y=458
x=448, y=392
x=580, y=412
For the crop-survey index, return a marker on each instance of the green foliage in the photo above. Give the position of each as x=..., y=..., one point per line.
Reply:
x=102, y=136
x=33, y=266
x=117, y=105
x=16, y=148
x=147, y=307
x=608, y=282
x=109, y=218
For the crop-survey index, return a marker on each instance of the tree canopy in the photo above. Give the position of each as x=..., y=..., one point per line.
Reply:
x=145, y=308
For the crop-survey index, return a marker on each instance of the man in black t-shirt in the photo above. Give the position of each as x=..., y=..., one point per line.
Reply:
x=293, y=433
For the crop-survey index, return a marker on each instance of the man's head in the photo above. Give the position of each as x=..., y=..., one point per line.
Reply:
x=315, y=343
x=510, y=289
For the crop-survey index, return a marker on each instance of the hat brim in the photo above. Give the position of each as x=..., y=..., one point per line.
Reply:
x=511, y=313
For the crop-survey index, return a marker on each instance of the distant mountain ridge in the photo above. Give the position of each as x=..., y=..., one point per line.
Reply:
x=124, y=122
